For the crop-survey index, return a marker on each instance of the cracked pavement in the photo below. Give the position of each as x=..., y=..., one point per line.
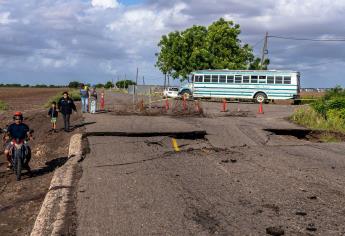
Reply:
x=238, y=180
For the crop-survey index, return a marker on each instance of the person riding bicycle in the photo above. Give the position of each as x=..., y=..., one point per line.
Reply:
x=17, y=130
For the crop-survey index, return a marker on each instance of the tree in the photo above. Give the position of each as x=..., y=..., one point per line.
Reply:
x=256, y=64
x=214, y=47
x=124, y=83
x=74, y=84
x=99, y=85
x=108, y=85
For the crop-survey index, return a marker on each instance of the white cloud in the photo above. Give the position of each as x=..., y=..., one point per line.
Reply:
x=151, y=20
x=105, y=3
x=5, y=18
x=99, y=38
x=108, y=68
x=59, y=63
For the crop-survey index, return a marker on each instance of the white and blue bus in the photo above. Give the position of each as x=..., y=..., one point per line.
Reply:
x=260, y=85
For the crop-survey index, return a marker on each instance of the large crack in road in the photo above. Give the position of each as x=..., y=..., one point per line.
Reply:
x=141, y=186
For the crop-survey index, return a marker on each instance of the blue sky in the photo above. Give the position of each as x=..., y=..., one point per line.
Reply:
x=56, y=41
x=130, y=2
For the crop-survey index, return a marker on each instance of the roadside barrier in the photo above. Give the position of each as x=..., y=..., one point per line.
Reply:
x=261, y=109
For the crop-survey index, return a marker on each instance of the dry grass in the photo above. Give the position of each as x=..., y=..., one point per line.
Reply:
x=309, y=95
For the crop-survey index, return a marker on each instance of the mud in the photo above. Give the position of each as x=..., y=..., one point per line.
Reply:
x=316, y=136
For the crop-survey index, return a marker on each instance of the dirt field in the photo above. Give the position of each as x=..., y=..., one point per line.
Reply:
x=27, y=99
x=21, y=201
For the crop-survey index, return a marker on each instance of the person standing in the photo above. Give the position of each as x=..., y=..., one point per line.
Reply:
x=93, y=100
x=84, y=95
x=66, y=106
x=53, y=114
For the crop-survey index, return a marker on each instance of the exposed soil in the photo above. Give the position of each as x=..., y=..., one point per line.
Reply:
x=27, y=99
x=318, y=136
x=20, y=201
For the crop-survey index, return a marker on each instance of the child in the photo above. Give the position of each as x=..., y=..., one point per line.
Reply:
x=53, y=114
x=93, y=100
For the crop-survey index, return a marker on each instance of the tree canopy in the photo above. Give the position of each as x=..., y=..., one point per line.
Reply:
x=214, y=47
x=124, y=83
x=108, y=85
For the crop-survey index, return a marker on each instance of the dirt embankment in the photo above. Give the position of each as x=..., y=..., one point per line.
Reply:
x=20, y=201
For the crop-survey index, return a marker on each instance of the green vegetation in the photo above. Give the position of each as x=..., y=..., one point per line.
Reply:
x=73, y=93
x=329, y=138
x=124, y=83
x=3, y=106
x=31, y=86
x=74, y=84
x=109, y=85
x=214, y=47
x=326, y=113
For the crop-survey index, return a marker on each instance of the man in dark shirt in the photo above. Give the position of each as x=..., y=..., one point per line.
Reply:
x=17, y=130
x=66, y=106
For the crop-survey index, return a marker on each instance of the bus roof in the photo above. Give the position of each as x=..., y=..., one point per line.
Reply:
x=242, y=71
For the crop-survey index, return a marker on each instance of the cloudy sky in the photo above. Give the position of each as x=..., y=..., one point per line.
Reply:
x=56, y=41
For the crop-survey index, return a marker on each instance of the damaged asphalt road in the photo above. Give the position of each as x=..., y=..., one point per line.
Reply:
x=240, y=179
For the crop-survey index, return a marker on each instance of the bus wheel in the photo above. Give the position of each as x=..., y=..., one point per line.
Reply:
x=260, y=97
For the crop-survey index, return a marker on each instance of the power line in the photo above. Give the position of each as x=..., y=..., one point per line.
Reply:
x=256, y=44
x=307, y=39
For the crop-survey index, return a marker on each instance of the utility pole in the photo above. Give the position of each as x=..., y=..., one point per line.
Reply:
x=134, y=87
x=124, y=83
x=264, y=50
x=136, y=78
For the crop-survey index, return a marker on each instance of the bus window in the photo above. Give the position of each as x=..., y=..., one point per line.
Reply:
x=230, y=79
x=198, y=78
x=262, y=79
x=238, y=79
x=246, y=79
x=214, y=78
x=254, y=79
x=287, y=79
x=279, y=79
x=222, y=79
x=270, y=79
x=207, y=78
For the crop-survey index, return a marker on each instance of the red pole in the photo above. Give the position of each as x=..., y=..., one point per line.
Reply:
x=238, y=106
x=197, y=107
x=261, y=110
x=167, y=105
x=224, y=105
x=102, y=101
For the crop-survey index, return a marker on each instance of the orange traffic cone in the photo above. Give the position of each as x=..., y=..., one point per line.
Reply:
x=224, y=105
x=197, y=107
x=261, y=109
x=184, y=103
x=167, y=105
